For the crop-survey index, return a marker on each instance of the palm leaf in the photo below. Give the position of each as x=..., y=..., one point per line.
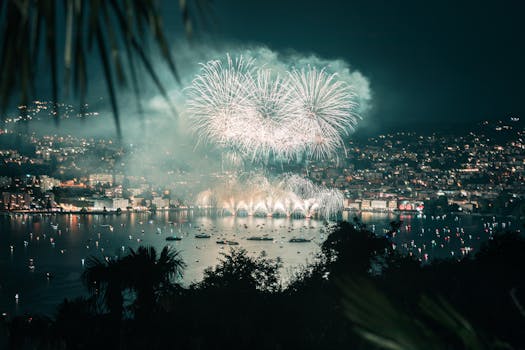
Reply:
x=444, y=314
x=28, y=26
x=379, y=321
x=389, y=326
x=109, y=79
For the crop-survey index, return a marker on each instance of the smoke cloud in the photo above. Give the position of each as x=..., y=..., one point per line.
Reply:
x=161, y=145
x=190, y=58
x=167, y=137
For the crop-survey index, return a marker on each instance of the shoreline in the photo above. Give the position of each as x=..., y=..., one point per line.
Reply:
x=92, y=212
x=415, y=212
x=115, y=212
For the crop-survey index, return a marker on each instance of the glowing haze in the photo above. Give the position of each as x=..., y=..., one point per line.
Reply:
x=227, y=159
x=252, y=111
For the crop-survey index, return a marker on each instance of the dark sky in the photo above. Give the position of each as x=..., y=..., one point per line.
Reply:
x=431, y=63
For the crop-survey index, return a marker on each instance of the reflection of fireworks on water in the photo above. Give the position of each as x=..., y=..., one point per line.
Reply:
x=262, y=116
x=289, y=195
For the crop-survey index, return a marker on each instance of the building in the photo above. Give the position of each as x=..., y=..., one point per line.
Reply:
x=103, y=203
x=16, y=201
x=120, y=203
x=160, y=202
x=354, y=206
x=392, y=205
x=100, y=179
x=366, y=204
x=47, y=183
x=407, y=205
x=378, y=205
x=464, y=205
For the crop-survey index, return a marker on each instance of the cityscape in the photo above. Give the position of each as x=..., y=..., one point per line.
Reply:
x=262, y=175
x=481, y=172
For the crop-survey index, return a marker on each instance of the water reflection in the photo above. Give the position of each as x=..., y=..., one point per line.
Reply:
x=57, y=245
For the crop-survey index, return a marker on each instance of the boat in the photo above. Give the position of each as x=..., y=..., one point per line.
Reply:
x=299, y=240
x=202, y=235
x=173, y=238
x=258, y=238
x=224, y=241
x=54, y=226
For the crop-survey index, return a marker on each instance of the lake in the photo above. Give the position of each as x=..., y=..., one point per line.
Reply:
x=33, y=246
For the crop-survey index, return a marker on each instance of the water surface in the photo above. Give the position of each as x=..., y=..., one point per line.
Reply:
x=31, y=246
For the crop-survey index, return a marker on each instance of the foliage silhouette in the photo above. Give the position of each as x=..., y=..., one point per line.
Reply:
x=240, y=273
x=358, y=282
x=140, y=271
x=88, y=27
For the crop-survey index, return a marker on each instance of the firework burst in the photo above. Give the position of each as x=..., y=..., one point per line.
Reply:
x=260, y=116
x=325, y=106
x=288, y=195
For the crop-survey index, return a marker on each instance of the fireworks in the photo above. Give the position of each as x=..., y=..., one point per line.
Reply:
x=254, y=114
x=288, y=195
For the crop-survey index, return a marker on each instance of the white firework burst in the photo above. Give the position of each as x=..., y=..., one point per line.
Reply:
x=326, y=106
x=252, y=112
x=218, y=98
x=268, y=113
x=289, y=195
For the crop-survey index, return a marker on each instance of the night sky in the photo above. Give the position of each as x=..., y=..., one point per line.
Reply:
x=430, y=63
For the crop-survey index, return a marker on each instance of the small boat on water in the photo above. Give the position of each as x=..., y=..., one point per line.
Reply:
x=54, y=226
x=202, y=235
x=258, y=238
x=173, y=238
x=299, y=240
x=224, y=241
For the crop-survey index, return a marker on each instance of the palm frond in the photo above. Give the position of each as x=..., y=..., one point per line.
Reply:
x=389, y=326
x=109, y=27
x=446, y=316
x=379, y=321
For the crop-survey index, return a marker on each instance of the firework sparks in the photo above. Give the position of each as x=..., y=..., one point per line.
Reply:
x=260, y=116
x=288, y=195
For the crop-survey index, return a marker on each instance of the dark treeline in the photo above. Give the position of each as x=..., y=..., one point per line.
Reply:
x=359, y=294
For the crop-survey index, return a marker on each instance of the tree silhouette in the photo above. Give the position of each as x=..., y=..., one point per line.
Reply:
x=150, y=277
x=71, y=314
x=240, y=273
x=108, y=279
x=348, y=249
x=472, y=303
x=141, y=272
